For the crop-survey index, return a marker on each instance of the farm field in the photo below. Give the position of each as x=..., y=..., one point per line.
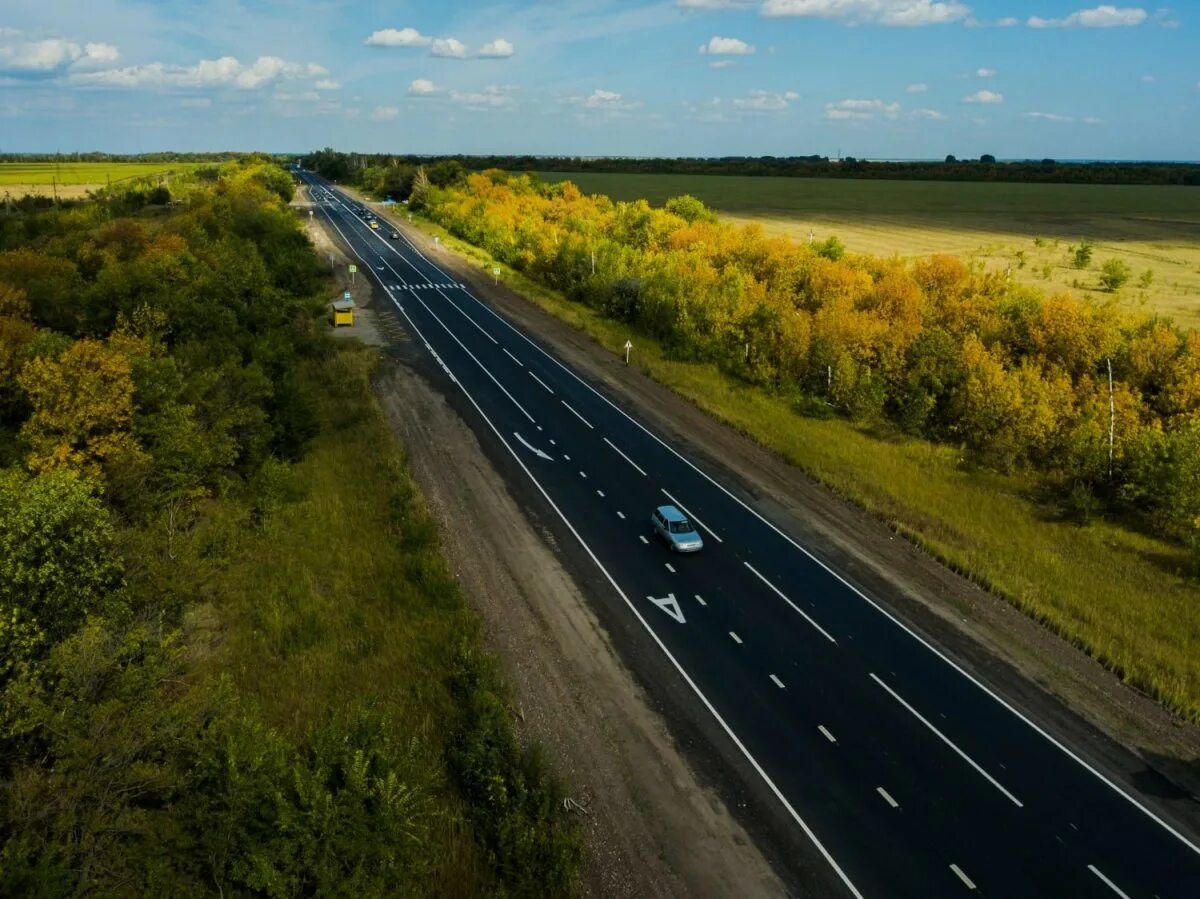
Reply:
x=1030, y=228
x=75, y=179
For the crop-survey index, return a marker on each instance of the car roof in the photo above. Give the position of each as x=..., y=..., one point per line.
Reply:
x=670, y=513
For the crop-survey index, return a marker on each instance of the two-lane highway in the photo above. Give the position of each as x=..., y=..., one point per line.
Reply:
x=909, y=776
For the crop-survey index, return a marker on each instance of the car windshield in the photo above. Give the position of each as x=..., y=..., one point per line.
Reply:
x=681, y=527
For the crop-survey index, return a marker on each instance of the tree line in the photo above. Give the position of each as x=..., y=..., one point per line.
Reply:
x=159, y=372
x=986, y=168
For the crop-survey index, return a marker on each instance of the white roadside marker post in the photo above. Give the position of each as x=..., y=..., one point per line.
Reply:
x=628, y=347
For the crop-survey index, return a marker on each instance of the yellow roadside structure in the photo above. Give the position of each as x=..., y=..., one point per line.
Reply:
x=343, y=312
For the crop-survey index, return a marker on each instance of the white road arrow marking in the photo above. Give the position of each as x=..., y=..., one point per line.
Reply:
x=537, y=452
x=669, y=605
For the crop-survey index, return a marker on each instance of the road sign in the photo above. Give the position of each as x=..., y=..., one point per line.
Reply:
x=628, y=347
x=346, y=295
x=496, y=274
x=353, y=268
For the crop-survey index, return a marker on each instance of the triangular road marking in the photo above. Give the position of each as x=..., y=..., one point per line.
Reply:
x=669, y=605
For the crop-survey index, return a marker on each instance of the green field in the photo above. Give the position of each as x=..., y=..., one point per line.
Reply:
x=1150, y=228
x=73, y=179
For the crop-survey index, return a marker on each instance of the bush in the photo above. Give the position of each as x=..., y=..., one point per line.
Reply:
x=1114, y=274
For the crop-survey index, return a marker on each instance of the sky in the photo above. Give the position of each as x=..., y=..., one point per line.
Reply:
x=903, y=79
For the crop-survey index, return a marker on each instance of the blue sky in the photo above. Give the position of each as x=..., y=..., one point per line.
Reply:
x=871, y=78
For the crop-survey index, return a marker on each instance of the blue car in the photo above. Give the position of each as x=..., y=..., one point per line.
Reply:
x=672, y=528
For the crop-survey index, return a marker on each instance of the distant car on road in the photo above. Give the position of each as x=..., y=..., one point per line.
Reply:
x=374, y=225
x=672, y=528
x=395, y=235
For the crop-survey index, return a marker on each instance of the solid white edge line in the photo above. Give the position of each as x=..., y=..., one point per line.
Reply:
x=540, y=381
x=963, y=877
x=577, y=415
x=1108, y=883
x=625, y=457
x=941, y=736
x=514, y=358
x=680, y=505
x=887, y=797
x=468, y=318
x=662, y=646
x=795, y=607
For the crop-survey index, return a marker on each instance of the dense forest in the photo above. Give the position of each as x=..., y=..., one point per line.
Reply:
x=164, y=371
x=343, y=166
x=1018, y=379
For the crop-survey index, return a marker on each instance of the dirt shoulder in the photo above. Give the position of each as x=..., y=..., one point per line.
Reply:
x=1126, y=734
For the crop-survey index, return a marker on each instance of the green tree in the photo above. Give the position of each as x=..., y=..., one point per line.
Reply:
x=1083, y=255
x=57, y=558
x=1114, y=274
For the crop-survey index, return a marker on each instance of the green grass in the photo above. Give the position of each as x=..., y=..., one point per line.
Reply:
x=1116, y=594
x=342, y=600
x=1150, y=228
x=86, y=172
x=73, y=180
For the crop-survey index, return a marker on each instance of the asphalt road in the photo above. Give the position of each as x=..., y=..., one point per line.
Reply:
x=907, y=775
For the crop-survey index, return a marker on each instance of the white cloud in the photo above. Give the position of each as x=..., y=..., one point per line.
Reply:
x=491, y=97
x=328, y=84
x=224, y=72
x=931, y=115
x=918, y=88
x=1008, y=22
x=384, y=113
x=448, y=47
x=497, y=49
x=297, y=96
x=1105, y=16
x=602, y=99
x=727, y=46
x=423, y=87
x=903, y=13
x=714, y=4
x=860, y=110
x=49, y=55
x=984, y=97
x=721, y=64
x=1049, y=117
x=984, y=73
x=404, y=37
x=766, y=101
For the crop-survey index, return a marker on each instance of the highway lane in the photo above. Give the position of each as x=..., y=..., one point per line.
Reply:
x=910, y=777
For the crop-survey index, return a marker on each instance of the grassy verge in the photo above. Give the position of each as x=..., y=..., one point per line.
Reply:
x=1116, y=594
x=340, y=603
